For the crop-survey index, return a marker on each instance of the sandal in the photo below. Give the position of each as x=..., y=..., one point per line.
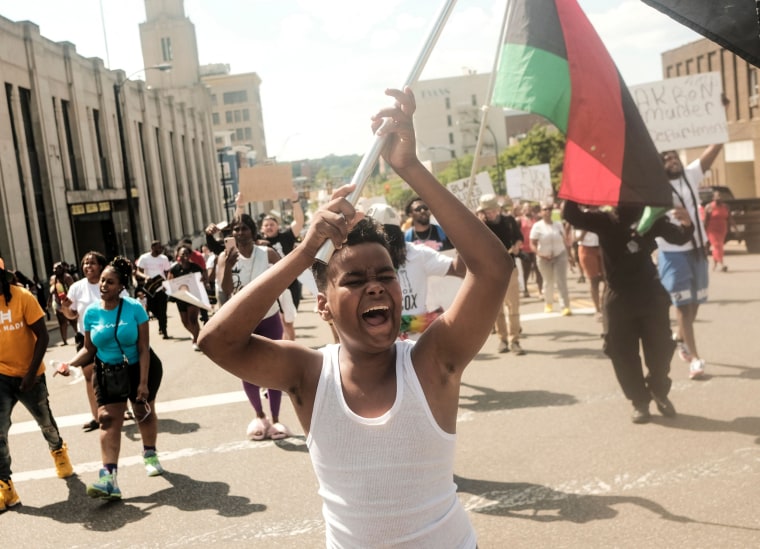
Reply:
x=278, y=431
x=90, y=426
x=258, y=429
x=128, y=415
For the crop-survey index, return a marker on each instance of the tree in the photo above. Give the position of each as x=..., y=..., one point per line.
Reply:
x=541, y=145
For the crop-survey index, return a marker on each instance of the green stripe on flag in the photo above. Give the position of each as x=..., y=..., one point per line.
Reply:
x=521, y=83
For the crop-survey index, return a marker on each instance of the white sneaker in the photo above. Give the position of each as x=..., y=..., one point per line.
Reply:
x=696, y=368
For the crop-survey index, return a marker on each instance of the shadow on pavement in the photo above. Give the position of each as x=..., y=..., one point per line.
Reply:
x=488, y=400
x=742, y=425
x=165, y=426
x=294, y=443
x=186, y=494
x=543, y=504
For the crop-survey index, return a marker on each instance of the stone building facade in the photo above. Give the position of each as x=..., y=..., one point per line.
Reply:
x=78, y=139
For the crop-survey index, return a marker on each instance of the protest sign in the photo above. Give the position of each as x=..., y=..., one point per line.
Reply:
x=683, y=112
x=482, y=185
x=266, y=182
x=188, y=288
x=530, y=183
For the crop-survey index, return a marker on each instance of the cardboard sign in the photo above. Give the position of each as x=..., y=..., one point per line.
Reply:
x=684, y=112
x=482, y=185
x=188, y=288
x=266, y=182
x=530, y=183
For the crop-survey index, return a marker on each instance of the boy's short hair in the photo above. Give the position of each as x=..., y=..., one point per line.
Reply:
x=366, y=230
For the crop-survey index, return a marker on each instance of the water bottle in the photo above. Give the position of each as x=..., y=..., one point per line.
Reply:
x=59, y=367
x=65, y=370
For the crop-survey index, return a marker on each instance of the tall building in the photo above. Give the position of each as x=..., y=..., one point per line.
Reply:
x=236, y=113
x=447, y=122
x=91, y=159
x=737, y=166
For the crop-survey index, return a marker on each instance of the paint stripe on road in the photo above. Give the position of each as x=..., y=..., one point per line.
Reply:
x=164, y=407
x=94, y=466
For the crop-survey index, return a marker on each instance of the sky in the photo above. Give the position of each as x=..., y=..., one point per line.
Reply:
x=324, y=64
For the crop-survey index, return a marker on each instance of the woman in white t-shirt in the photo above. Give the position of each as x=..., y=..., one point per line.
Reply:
x=553, y=254
x=83, y=293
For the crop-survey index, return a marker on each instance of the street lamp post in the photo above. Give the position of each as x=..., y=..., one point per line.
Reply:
x=125, y=157
x=499, y=175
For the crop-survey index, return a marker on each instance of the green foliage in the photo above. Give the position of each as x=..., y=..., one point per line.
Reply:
x=541, y=145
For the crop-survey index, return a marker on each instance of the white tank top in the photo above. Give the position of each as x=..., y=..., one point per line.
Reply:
x=385, y=481
x=248, y=268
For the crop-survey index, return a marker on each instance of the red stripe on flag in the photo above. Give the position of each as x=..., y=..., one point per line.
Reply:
x=596, y=123
x=586, y=180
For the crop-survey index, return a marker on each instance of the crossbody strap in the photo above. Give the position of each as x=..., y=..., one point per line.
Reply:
x=697, y=229
x=116, y=330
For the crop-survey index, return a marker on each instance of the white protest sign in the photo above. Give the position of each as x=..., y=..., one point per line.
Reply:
x=482, y=185
x=683, y=112
x=530, y=183
x=188, y=288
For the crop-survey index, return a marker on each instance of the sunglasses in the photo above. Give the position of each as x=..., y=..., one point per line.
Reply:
x=419, y=209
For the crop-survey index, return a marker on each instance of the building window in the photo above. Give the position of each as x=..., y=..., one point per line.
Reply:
x=228, y=117
x=448, y=120
x=230, y=98
x=474, y=100
x=238, y=116
x=246, y=115
x=166, y=49
x=448, y=103
x=215, y=118
x=213, y=99
x=101, y=153
x=73, y=161
x=451, y=138
x=248, y=134
x=239, y=134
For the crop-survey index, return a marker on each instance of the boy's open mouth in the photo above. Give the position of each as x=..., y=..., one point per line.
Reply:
x=374, y=316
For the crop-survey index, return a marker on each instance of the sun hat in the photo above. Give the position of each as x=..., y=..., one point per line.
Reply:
x=383, y=213
x=488, y=202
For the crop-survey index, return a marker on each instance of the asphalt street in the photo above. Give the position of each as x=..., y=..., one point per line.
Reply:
x=546, y=453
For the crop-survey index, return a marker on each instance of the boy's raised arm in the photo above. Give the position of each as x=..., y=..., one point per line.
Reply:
x=461, y=331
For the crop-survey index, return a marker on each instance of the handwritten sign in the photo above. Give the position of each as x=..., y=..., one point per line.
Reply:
x=530, y=183
x=683, y=112
x=266, y=182
x=482, y=185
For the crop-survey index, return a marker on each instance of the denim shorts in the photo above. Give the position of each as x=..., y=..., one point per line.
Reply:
x=684, y=276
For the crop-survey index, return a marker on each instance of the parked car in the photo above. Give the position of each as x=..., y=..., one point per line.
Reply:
x=745, y=213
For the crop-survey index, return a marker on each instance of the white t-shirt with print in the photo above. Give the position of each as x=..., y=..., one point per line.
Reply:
x=693, y=176
x=421, y=263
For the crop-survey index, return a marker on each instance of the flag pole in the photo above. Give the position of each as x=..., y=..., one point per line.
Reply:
x=486, y=107
x=369, y=160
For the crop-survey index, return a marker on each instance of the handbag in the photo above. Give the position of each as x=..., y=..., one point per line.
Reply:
x=113, y=379
x=154, y=285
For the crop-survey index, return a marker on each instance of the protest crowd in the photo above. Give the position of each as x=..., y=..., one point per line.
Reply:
x=399, y=346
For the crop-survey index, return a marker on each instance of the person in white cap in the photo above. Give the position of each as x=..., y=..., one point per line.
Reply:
x=508, y=231
x=415, y=263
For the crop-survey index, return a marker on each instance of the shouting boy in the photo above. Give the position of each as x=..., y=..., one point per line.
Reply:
x=379, y=413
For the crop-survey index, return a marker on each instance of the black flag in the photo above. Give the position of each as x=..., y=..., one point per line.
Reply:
x=734, y=24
